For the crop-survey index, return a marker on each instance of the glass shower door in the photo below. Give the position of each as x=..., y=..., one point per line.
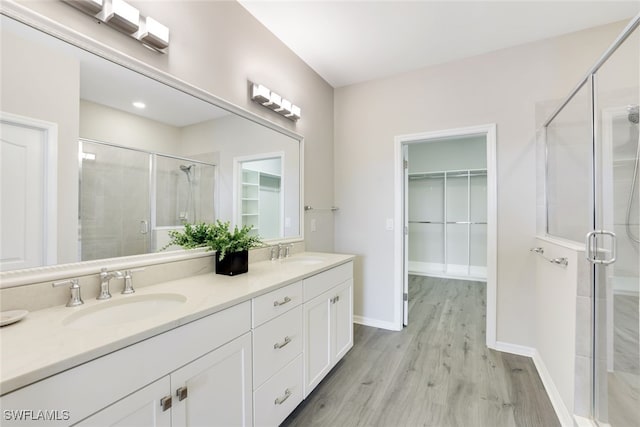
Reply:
x=617, y=193
x=114, y=201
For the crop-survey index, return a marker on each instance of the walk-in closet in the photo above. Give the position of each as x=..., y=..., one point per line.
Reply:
x=447, y=191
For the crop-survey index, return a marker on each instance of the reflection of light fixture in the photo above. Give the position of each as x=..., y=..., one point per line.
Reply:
x=263, y=96
x=123, y=16
x=87, y=156
x=139, y=104
x=154, y=33
x=126, y=18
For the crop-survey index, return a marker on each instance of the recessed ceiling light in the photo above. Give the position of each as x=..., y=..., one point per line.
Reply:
x=140, y=105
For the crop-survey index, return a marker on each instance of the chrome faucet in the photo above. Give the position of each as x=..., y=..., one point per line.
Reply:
x=105, y=277
x=275, y=252
x=280, y=251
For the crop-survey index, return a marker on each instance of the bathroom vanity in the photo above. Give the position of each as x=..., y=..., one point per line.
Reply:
x=203, y=350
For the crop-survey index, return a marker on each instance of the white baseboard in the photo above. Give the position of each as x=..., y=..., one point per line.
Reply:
x=586, y=422
x=566, y=418
x=366, y=321
x=520, y=350
x=564, y=415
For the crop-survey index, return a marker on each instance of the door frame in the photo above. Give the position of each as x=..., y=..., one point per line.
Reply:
x=49, y=131
x=489, y=131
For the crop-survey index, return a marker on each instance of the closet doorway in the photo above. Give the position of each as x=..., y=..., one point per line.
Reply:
x=446, y=198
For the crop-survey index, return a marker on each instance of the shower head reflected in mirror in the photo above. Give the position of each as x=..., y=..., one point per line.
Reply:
x=187, y=170
x=633, y=115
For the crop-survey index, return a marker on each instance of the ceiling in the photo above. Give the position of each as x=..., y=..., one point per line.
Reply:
x=348, y=42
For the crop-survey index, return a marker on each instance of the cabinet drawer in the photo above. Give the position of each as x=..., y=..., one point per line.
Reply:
x=279, y=396
x=322, y=282
x=275, y=344
x=268, y=306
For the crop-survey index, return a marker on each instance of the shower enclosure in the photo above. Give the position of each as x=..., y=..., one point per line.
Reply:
x=592, y=197
x=130, y=199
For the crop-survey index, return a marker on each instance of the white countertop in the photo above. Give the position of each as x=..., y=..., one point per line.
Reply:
x=40, y=345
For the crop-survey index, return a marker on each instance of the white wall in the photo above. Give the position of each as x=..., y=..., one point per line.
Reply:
x=448, y=154
x=97, y=122
x=503, y=87
x=218, y=46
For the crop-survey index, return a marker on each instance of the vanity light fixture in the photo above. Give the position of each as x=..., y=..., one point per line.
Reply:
x=139, y=104
x=154, y=33
x=122, y=16
x=265, y=97
x=88, y=6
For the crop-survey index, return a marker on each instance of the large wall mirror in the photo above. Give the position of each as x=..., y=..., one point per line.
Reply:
x=88, y=172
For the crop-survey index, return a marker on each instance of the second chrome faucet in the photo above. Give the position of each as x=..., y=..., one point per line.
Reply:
x=105, y=278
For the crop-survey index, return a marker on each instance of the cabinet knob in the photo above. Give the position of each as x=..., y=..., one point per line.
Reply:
x=165, y=403
x=278, y=345
x=182, y=393
x=280, y=400
x=283, y=302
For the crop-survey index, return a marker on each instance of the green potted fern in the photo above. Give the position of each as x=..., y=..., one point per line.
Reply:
x=231, y=246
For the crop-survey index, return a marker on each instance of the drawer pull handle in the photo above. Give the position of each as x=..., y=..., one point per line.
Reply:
x=165, y=403
x=182, y=393
x=283, y=302
x=278, y=345
x=280, y=400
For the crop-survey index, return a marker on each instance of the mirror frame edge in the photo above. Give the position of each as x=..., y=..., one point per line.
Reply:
x=22, y=14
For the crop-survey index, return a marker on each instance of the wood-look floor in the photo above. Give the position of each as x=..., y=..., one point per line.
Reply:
x=436, y=372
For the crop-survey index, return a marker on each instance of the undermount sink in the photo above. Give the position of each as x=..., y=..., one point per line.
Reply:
x=123, y=310
x=305, y=259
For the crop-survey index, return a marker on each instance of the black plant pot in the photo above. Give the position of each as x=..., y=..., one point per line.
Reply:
x=233, y=263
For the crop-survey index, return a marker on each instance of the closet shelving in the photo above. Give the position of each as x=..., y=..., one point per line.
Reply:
x=256, y=206
x=447, y=223
x=251, y=199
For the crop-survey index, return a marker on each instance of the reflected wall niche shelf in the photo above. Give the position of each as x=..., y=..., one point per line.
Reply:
x=260, y=190
x=448, y=224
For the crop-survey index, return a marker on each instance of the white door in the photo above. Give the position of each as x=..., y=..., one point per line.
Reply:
x=27, y=217
x=216, y=389
x=140, y=409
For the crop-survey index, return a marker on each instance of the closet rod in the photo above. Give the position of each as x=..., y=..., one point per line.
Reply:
x=447, y=222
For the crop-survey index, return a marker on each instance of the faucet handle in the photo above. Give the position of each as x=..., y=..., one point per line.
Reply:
x=128, y=280
x=75, y=298
x=287, y=250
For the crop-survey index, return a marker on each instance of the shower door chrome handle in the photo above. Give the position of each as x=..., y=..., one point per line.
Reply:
x=144, y=226
x=591, y=247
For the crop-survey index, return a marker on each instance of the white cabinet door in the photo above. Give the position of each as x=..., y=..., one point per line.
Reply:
x=341, y=320
x=218, y=388
x=141, y=409
x=328, y=330
x=317, y=337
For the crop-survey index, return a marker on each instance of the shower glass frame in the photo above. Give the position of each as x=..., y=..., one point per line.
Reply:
x=601, y=308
